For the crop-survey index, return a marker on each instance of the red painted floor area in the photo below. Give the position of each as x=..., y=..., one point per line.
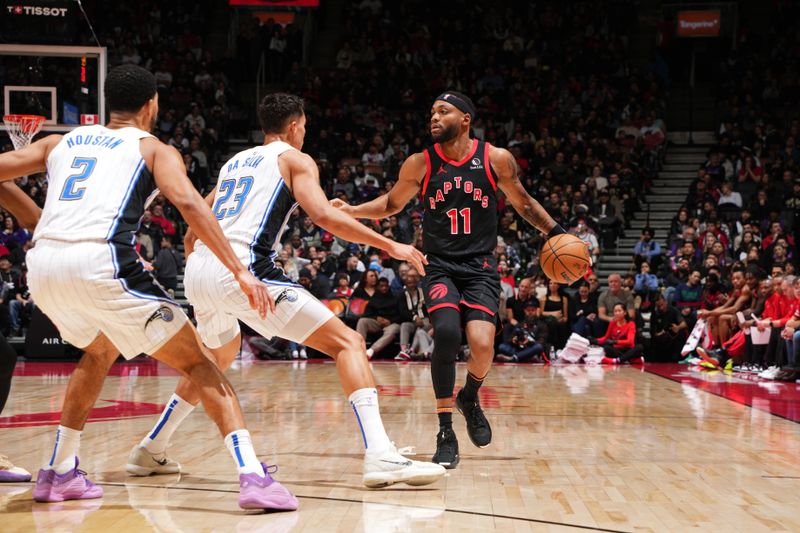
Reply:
x=775, y=397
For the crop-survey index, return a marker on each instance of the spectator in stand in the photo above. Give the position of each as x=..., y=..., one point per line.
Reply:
x=583, y=232
x=22, y=305
x=594, y=286
x=168, y=264
x=528, y=340
x=367, y=286
x=310, y=233
x=619, y=342
x=611, y=296
x=583, y=312
x=647, y=284
x=555, y=313
x=355, y=270
x=372, y=156
x=8, y=290
x=380, y=316
x=515, y=306
x=697, y=198
x=667, y=332
x=729, y=196
x=158, y=217
x=398, y=284
x=344, y=184
x=413, y=315
x=153, y=230
x=605, y=216
x=688, y=297
x=342, y=289
x=647, y=250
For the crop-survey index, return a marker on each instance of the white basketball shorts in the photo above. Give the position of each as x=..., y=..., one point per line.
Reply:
x=219, y=304
x=90, y=288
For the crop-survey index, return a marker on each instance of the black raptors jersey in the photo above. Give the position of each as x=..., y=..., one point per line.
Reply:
x=460, y=199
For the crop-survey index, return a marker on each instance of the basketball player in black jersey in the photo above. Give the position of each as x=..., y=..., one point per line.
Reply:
x=458, y=178
x=15, y=200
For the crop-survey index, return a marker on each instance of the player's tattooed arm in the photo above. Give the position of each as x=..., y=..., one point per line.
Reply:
x=507, y=172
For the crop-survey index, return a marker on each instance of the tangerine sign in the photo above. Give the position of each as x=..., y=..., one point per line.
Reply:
x=699, y=23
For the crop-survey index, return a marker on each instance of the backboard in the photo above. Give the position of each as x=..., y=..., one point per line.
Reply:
x=62, y=83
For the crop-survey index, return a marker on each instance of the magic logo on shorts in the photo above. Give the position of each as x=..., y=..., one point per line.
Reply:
x=290, y=295
x=163, y=312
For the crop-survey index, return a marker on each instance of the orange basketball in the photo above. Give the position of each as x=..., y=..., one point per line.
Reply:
x=565, y=258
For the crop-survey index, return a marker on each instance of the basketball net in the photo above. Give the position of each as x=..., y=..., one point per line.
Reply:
x=22, y=128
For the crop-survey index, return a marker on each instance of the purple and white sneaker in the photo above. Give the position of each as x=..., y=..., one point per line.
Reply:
x=256, y=492
x=74, y=485
x=12, y=474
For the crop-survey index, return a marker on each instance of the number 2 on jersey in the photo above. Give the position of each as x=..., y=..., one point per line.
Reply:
x=222, y=206
x=453, y=215
x=69, y=192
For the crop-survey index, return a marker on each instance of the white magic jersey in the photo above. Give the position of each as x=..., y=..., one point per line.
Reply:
x=252, y=204
x=98, y=186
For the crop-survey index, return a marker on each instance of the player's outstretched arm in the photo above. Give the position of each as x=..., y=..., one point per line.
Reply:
x=304, y=183
x=408, y=184
x=20, y=204
x=29, y=160
x=170, y=175
x=532, y=211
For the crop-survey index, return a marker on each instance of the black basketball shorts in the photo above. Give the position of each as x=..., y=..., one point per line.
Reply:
x=470, y=285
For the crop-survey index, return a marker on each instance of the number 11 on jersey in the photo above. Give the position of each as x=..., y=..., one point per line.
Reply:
x=453, y=215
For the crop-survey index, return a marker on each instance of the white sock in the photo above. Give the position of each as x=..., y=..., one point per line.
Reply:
x=157, y=440
x=66, y=449
x=368, y=415
x=241, y=447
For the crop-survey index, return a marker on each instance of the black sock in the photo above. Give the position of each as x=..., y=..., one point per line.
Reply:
x=471, y=386
x=445, y=415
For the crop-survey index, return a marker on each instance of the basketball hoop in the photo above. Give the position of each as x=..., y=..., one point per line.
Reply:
x=22, y=128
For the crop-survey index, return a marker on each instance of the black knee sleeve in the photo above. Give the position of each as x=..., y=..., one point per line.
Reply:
x=8, y=360
x=446, y=342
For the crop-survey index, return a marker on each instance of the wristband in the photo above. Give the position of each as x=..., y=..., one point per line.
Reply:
x=557, y=230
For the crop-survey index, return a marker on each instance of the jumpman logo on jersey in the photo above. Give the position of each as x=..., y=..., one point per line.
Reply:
x=438, y=291
x=441, y=169
x=486, y=263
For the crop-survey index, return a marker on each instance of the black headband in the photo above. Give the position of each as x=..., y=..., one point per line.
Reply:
x=461, y=104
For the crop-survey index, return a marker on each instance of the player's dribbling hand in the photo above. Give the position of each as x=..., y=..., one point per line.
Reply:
x=257, y=292
x=406, y=252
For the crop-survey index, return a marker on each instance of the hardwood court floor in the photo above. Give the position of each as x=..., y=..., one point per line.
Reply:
x=575, y=449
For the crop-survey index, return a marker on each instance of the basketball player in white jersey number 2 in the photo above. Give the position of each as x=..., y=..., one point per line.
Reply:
x=257, y=191
x=84, y=274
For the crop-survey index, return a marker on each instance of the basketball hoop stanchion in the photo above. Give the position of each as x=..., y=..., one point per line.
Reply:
x=22, y=128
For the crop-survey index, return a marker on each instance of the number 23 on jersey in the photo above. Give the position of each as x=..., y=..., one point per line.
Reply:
x=231, y=196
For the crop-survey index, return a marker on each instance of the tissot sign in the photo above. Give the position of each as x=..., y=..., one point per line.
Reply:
x=22, y=9
x=698, y=23
x=37, y=21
